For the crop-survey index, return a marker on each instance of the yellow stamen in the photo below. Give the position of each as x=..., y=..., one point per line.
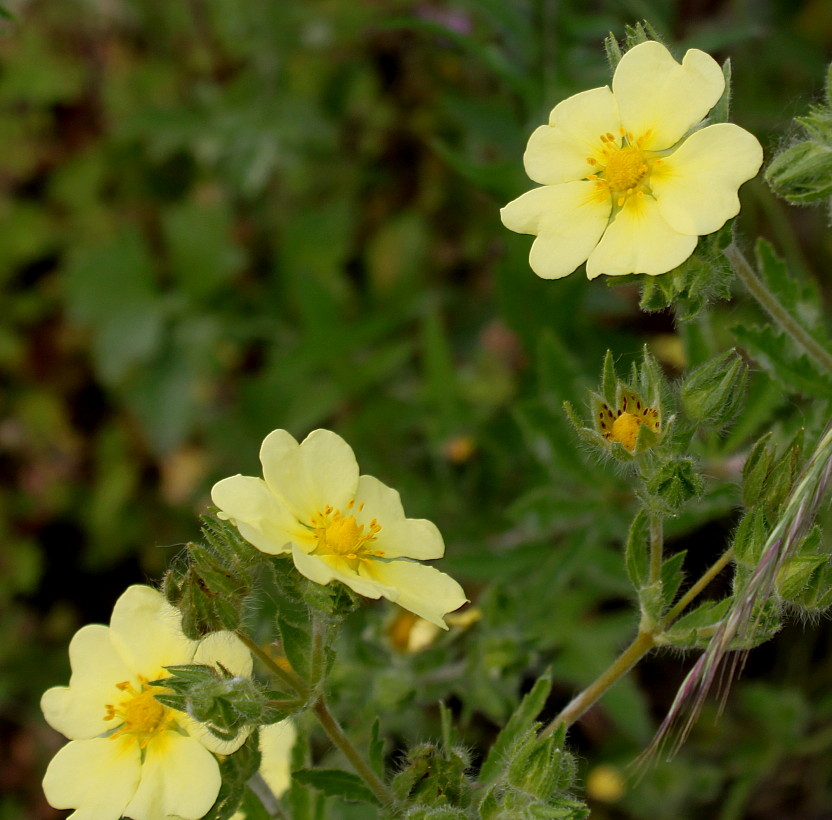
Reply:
x=625, y=169
x=342, y=535
x=140, y=713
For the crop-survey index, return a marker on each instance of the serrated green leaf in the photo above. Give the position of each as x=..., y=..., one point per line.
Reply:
x=773, y=350
x=518, y=724
x=336, y=783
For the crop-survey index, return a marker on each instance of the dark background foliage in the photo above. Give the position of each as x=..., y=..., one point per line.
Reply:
x=222, y=218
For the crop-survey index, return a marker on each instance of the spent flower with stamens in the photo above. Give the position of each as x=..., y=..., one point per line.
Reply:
x=129, y=755
x=629, y=178
x=338, y=525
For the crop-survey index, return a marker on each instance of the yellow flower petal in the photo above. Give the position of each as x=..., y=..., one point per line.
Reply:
x=77, y=710
x=558, y=152
x=696, y=186
x=147, y=631
x=260, y=516
x=321, y=471
x=276, y=742
x=659, y=99
x=323, y=569
x=411, y=538
x=568, y=219
x=178, y=777
x=639, y=240
x=380, y=501
x=97, y=777
x=423, y=590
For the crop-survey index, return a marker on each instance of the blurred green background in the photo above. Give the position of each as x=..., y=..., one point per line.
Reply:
x=219, y=218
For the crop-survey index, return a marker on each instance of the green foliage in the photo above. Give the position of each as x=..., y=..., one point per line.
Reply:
x=703, y=278
x=802, y=172
x=221, y=221
x=336, y=783
x=713, y=393
x=224, y=702
x=212, y=584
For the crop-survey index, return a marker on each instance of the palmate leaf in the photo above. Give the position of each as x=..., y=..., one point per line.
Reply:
x=774, y=351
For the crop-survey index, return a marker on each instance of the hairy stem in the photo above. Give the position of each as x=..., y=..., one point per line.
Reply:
x=287, y=676
x=711, y=573
x=755, y=286
x=642, y=644
x=336, y=734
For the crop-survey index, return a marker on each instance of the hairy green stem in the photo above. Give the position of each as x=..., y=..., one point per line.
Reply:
x=336, y=735
x=656, y=547
x=288, y=676
x=757, y=288
x=676, y=610
x=327, y=720
x=640, y=646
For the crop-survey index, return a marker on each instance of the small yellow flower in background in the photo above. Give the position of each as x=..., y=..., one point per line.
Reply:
x=128, y=754
x=338, y=525
x=623, y=189
x=605, y=784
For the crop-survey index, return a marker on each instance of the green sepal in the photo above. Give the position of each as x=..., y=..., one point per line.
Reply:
x=609, y=380
x=713, y=394
x=756, y=469
x=224, y=702
x=750, y=538
x=435, y=775
x=722, y=110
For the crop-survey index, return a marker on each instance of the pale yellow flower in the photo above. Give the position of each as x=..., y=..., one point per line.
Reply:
x=629, y=181
x=129, y=755
x=338, y=525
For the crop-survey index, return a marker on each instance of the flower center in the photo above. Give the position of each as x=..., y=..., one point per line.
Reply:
x=140, y=713
x=625, y=168
x=625, y=429
x=622, y=167
x=339, y=534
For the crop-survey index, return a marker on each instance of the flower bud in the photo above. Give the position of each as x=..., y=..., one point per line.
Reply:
x=802, y=174
x=675, y=482
x=712, y=394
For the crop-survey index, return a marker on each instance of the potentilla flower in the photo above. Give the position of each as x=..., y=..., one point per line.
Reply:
x=129, y=755
x=338, y=525
x=630, y=180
